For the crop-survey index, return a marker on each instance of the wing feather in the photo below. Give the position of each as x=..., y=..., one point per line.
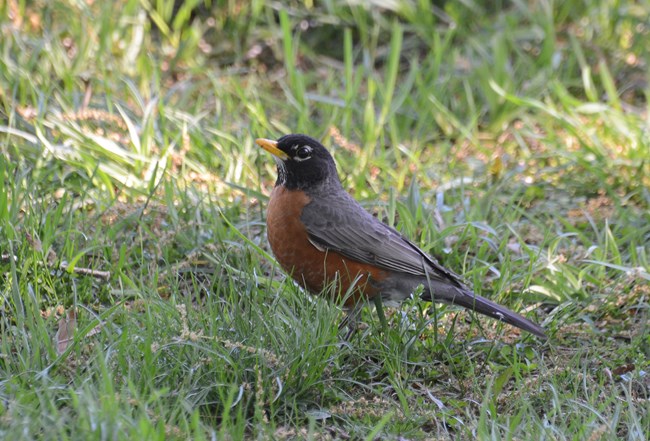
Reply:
x=339, y=223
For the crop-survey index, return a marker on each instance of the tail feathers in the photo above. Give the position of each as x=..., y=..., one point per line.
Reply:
x=474, y=302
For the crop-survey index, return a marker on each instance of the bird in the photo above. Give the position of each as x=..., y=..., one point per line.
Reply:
x=322, y=237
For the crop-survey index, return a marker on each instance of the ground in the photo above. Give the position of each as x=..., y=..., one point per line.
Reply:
x=140, y=299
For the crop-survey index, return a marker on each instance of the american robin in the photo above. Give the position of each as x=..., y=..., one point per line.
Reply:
x=320, y=235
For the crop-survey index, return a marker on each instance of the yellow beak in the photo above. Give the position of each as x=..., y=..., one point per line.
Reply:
x=271, y=147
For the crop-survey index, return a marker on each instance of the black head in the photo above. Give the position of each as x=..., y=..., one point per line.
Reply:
x=303, y=163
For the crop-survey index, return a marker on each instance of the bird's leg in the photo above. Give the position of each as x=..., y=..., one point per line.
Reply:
x=351, y=320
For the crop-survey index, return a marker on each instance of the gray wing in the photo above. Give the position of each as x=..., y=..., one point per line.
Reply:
x=339, y=223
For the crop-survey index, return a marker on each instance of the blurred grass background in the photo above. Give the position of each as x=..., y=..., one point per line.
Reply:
x=139, y=297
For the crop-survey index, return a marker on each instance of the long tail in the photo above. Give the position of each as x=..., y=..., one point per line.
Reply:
x=468, y=299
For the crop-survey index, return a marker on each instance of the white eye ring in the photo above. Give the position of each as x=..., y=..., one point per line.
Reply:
x=302, y=153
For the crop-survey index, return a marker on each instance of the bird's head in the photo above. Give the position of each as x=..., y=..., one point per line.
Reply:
x=303, y=163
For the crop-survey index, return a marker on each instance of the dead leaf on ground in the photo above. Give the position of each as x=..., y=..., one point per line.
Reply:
x=33, y=241
x=65, y=335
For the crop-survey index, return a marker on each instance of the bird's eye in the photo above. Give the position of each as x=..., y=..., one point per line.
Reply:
x=303, y=153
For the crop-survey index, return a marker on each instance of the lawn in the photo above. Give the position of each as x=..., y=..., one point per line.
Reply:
x=140, y=299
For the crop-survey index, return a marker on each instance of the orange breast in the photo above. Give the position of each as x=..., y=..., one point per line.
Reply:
x=310, y=267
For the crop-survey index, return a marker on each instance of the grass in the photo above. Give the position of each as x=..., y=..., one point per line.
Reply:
x=139, y=296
